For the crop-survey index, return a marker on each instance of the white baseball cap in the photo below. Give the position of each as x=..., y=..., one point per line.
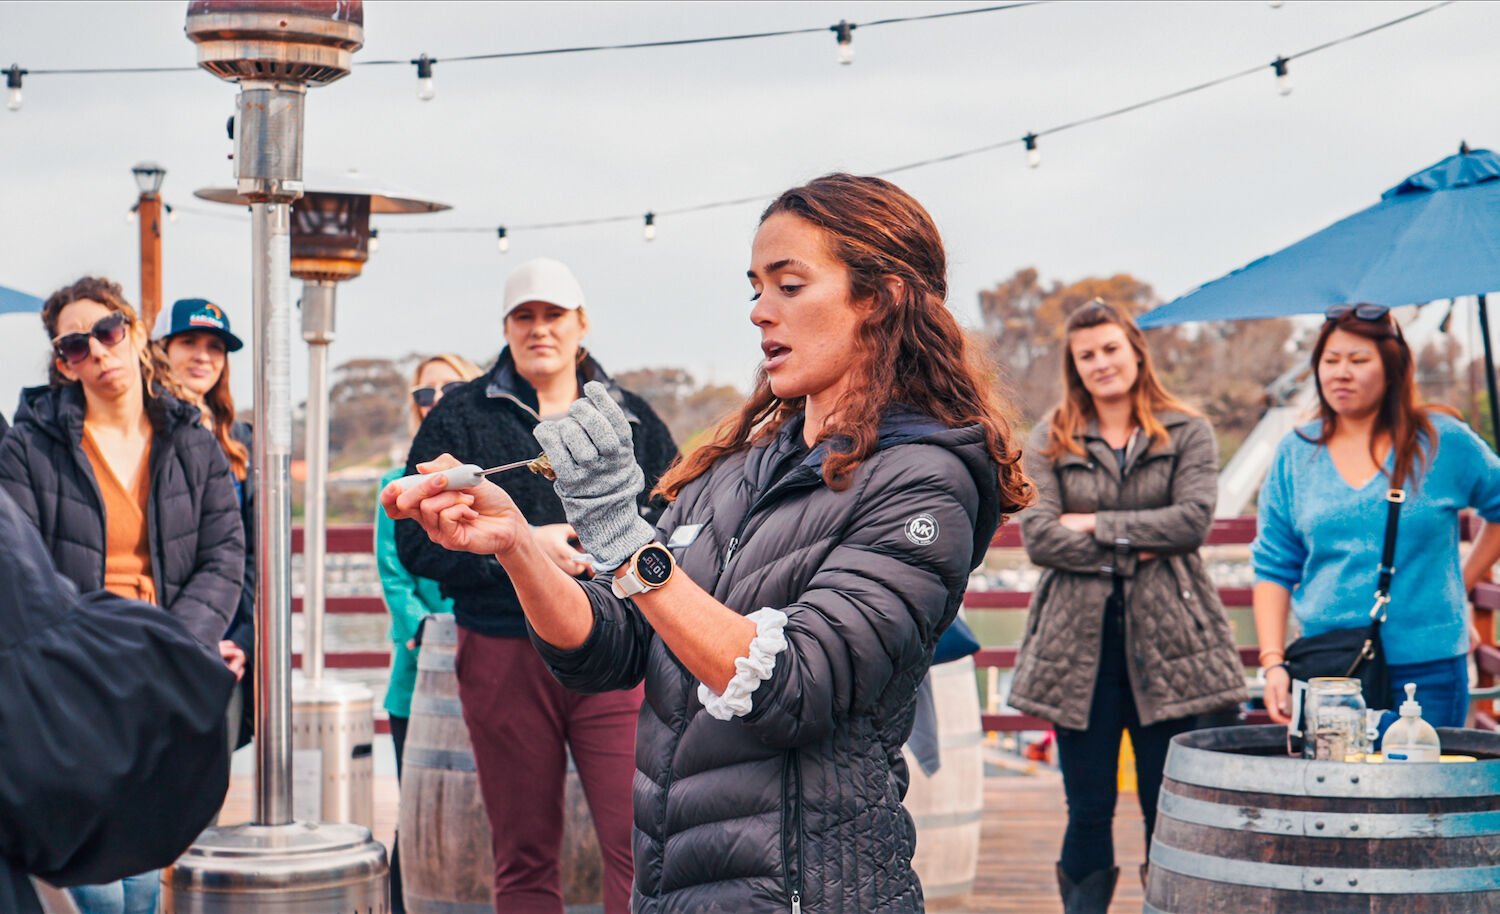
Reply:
x=543, y=280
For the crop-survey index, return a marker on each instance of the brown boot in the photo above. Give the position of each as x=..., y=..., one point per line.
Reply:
x=1091, y=895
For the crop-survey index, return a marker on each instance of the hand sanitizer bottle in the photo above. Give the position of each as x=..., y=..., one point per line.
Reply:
x=1411, y=739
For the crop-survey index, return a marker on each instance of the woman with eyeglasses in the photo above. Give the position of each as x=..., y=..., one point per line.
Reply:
x=409, y=598
x=1125, y=630
x=130, y=493
x=522, y=723
x=194, y=337
x=1323, y=516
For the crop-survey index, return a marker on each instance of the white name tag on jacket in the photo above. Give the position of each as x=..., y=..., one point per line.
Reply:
x=685, y=535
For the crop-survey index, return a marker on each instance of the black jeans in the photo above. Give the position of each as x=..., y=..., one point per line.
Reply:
x=398, y=736
x=1090, y=759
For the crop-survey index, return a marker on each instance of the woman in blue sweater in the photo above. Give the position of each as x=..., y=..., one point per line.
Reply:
x=1322, y=518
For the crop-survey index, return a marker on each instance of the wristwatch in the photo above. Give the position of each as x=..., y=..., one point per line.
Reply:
x=650, y=568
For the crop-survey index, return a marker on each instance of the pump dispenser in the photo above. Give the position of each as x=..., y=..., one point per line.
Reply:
x=1411, y=739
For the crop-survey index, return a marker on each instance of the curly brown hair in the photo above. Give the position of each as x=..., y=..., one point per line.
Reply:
x=910, y=349
x=155, y=373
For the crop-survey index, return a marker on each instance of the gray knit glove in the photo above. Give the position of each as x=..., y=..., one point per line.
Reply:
x=598, y=479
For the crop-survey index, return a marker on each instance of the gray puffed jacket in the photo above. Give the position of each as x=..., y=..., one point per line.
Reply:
x=1179, y=648
x=797, y=805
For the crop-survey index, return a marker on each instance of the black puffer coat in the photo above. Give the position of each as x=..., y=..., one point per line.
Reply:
x=799, y=801
x=489, y=421
x=192, y=519
x=112, y=752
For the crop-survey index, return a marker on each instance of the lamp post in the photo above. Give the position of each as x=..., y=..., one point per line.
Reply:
x=275, y=49
x=148, y=178
x=333, y=722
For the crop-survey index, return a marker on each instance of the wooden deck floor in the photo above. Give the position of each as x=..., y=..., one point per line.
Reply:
x=1022, y=830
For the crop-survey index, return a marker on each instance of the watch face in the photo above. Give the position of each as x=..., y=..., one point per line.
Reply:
x=654, y=565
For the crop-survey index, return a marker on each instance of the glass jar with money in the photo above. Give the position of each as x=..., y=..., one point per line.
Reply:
x=1335, y=724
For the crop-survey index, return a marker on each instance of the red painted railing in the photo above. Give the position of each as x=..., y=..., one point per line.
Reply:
x=360, y=538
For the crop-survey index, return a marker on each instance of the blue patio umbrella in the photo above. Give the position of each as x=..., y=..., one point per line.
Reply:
x=13, y=301
x=1435, y=235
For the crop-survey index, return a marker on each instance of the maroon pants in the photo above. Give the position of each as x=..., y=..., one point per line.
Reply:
x=520, y=721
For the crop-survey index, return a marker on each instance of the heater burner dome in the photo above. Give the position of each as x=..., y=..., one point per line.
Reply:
x=308, y=41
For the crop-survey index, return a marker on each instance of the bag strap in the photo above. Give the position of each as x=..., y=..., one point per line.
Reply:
x=1394, y=499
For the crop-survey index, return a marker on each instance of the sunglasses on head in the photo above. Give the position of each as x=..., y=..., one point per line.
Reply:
x=109, y=330
x=1363, y=312
x=426, y=396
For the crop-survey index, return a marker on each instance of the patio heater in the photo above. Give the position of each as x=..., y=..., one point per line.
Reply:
x=333, y=722
x=275, y=49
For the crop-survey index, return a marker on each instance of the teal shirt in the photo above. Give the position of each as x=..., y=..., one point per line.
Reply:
x=408, y=598
x=1320, y=538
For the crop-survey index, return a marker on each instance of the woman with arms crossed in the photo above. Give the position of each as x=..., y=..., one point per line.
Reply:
x=824, y=537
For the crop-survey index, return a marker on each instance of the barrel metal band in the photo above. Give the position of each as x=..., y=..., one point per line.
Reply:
x=1322, y=878
x=1327, y=824
x=440, y=759
x=437, y=707
x=1299, y=778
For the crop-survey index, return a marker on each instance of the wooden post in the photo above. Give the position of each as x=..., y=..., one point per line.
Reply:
x=149, y=213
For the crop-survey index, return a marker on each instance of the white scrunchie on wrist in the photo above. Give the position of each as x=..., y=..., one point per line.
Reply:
x=750, y=671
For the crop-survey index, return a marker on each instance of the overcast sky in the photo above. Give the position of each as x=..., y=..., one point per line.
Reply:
x=1177, y=194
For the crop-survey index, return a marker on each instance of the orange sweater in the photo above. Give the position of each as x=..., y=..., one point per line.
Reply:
x=127, y=560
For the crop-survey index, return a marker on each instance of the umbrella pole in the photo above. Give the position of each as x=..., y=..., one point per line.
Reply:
x=1489, y=371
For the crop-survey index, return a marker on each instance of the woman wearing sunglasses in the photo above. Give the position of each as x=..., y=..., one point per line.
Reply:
x=1323, y=516
x=409, y=598
x=521, y=721
x=195, y=339
x=130, y=493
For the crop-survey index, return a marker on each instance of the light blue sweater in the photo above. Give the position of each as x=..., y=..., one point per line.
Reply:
x=1321, y=538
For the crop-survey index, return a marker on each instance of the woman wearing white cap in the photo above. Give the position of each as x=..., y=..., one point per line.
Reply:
x=521, y=721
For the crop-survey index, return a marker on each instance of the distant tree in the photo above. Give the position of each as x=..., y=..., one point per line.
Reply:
x=1222, y=368
x=687, y=408
x=367, y=409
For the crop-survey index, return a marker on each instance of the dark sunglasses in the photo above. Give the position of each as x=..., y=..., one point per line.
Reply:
x=108, y=330
x=426, y=396
x=1363, y=312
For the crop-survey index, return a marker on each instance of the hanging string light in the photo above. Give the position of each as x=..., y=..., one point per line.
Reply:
x=649, y=231
x=13, y=83
x=502, y=242
x=425, y=89
x=845, y=33
x=1033, y=155
x=1283, y=78
x=171, y=213
x=370, y=247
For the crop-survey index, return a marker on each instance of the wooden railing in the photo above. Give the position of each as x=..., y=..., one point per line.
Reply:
x=360, y=538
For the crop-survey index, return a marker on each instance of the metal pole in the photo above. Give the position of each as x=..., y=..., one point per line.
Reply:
x=318, y=299
x=1489, y=370
x=271, y=291
x=148, y=208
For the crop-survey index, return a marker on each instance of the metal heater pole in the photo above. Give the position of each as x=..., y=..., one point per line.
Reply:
x=1489, y=370
x=271, y=281
x=318, y=300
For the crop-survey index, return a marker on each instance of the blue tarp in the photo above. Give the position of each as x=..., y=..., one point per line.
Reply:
x=1435, y=235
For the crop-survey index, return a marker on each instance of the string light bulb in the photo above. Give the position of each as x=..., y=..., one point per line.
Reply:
x=171, y=213
x=845, y=34
x=374, y=243
x=1283, y=78
x=649, y=230
x=13, y=83
x=130, y=215
x=502, y=242
x=425, y=88
x=1033, y=155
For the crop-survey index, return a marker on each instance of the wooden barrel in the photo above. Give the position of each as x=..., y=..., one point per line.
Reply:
x=947, y=807
x=447, y=866
x=1242, y=827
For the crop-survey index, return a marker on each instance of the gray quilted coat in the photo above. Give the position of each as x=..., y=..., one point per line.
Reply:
x=798, y=803
x=1179, y=647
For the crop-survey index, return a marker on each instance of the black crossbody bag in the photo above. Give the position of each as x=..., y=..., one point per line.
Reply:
x=1356, y=652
